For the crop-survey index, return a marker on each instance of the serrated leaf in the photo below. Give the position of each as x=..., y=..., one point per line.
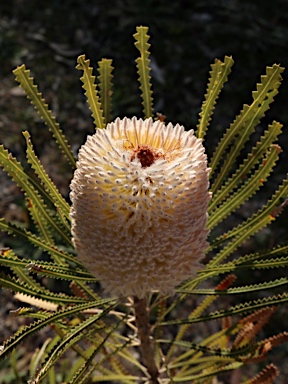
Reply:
x=16, y=285
x=114, y=378
x=58, y=200
x=218, y=76
x=24, y=276
x=35, y=202
x=58, y=255
x=208, y=373
x=87, y=367
x=40, y=222
x=252, y=225
x=248, y=164
x=238, y=290
x=27, y=331
x=45, y=268
x=197, y=364
x=197, y=311
x=247, y=190
x=34, y=301
x=85, y=371
x=73, y=335
x=252, y=261
x=243, y=308
x=143, y=69
x=224, y=352
x=105, y=85
x=37, y=357
x=27, y=83
x=243, y=125
x=91, y=92
x=210, y=341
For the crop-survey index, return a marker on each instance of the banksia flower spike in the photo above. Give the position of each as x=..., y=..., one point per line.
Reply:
x=139, y=206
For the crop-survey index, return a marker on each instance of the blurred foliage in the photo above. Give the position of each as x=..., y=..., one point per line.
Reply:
x=188, y=35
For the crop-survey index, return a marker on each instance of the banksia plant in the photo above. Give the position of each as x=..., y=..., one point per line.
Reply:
x=141, y=252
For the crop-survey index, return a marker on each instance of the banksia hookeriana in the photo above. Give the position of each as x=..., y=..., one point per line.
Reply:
x=139, y=206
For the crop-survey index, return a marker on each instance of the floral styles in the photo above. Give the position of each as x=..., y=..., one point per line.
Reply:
x=139, y=206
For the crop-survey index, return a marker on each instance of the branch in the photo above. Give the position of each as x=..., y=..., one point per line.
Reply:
x=144, y=335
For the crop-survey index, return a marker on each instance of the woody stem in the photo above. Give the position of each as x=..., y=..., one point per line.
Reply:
x=146, y=341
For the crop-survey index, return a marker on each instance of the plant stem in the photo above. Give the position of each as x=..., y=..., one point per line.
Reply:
x=144, y=335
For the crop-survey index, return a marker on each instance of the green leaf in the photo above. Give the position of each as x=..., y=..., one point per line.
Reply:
x=114, y=377
x=40, y=221
x=247, y=262
x=246, y=168
x=252, y=225
x=105, y=85
x=18, y=286
x=91, y=92
x=209, y=373
x=251, y=186
x=37, y=359
x=143, y=69
x=26, y=82
x=224, y=352
x=244, y=123
x=87, y=368
x=238, y=290
x=73, y=335
x=37, y=207
x=27, y=331
x=240, y=309
x=58, y=200
x=57, y=254
x=218, y=76
x=44, y=268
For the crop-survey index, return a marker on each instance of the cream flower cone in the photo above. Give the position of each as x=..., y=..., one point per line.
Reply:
x=139, y=206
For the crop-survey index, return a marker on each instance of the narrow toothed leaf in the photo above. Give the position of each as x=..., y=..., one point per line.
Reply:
x=253, y=264
x=218, y=76
x=105, y=85
x=35, y=302
x=243, y=308
x=91, y=92
x=225, y=352
x=247, y=190
x=244, y=124
x=71, y=337
x=143, y=69
x=252, y=225
x=238, y=290
x=44, y=268
x=27, y=83
x=27, y=331
x=208, y=372
x=16, y=285
x=246, y=168
x=36, y=205
x=266, y=376
x=58, y=200
x=58, y=255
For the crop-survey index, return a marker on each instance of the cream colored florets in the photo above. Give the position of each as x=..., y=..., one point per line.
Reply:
x=139, y=206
